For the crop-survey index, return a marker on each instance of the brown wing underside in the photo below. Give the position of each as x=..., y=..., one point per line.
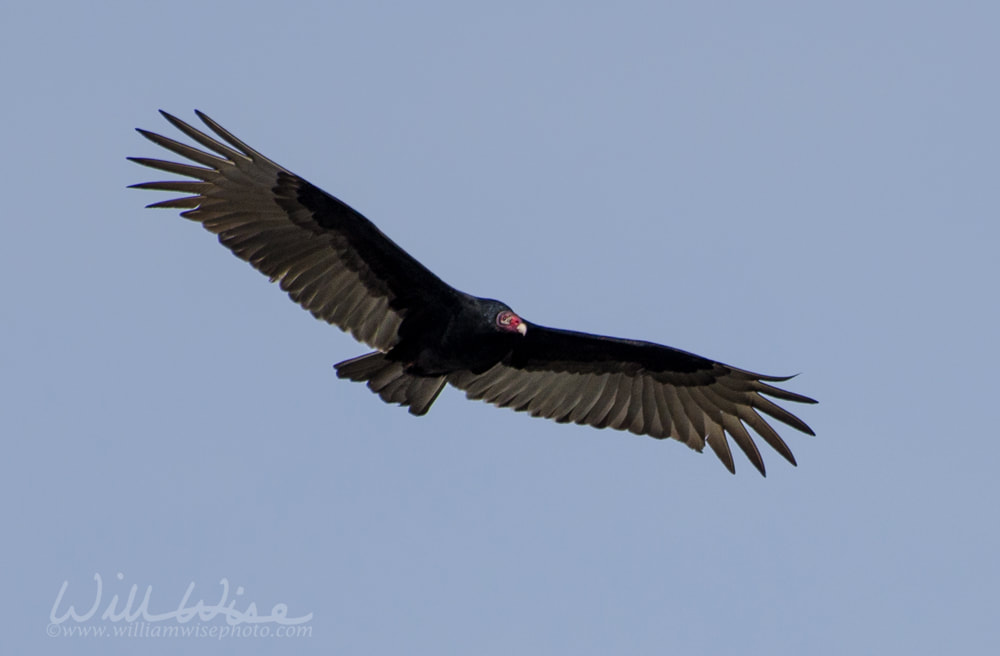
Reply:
x=331, y=260
x=694, y=408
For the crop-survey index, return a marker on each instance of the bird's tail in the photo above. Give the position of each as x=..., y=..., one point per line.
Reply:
x=388, y=380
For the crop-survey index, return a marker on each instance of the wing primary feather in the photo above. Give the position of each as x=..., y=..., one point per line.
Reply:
x=729, y=414
x=743, y=440
x=754, y=376
x=203, y=139
x=785, y=395
x=695, y=415
x=713, y=422
x=749, y=397
x=233, y=140
x=784, y=416
x=179, y=203
x=684, y=430
x=716, y=439
x=184, y=150
x=764, y=429
x=174, y=167
x=181, y=186
x=739, y=380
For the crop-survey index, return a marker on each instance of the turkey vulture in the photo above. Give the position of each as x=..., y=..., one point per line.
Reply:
x=335, y=263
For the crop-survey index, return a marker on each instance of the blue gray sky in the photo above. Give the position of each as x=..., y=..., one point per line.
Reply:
x=786, y=187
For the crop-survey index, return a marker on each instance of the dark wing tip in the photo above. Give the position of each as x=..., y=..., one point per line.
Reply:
x=173, y=120
x=151, y=136
x=792, y=396
x=170, y=117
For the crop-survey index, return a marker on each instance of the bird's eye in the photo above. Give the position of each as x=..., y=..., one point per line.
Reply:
x=504, y=318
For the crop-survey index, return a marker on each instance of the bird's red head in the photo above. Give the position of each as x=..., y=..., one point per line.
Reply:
x=510, y=322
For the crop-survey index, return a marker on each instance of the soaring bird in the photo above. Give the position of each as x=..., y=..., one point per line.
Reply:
x=335, y=263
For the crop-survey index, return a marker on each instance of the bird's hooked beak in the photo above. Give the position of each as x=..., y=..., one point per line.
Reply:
x=522, y=328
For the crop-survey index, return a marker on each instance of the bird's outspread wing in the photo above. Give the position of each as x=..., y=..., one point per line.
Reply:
x=644, y=388
x=329, y=258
